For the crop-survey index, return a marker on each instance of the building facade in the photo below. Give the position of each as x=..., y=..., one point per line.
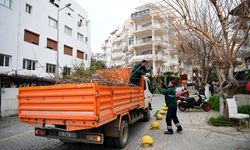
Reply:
x=30, y=32
x=146, y=40
x=143, y=36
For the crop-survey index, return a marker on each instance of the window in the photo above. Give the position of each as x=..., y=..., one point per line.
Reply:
x=52, y=1
x=51, y=44
x=28, y=8
x=6, y=3
x=79, y=37
x=68, y=30
x=50, y=68
x=52, y=23
x=4, y=60
x=80, y=54
x=66, y=71
x=31, y=37
x=86, y=57
x=68, y=50
x=29, y=64
x=86, y=39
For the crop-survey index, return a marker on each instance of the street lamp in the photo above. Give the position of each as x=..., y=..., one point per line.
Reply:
x=57, y=59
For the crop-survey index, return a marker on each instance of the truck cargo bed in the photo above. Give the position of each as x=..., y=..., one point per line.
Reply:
x=78, y=106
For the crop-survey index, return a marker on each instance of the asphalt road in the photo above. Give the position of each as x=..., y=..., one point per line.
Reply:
x=15, y=135
x=196, y=135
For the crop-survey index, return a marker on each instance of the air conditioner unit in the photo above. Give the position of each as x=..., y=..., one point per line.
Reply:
x=80, y=22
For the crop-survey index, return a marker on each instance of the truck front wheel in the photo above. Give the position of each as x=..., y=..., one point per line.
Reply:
x=146, y=114
x=122, y=140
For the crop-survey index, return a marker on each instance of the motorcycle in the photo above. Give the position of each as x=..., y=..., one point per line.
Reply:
x=196, y=101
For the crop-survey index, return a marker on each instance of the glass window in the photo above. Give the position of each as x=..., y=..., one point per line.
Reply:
x=6, y=3
x=50, y=68
x=28, y=8
x=68, y=30
x=7, y=61
x=1, y=60
x=79, y=37
x=52, y=23
x=86, y=39
x=29, y=64
x=4, y=60
x=86, y=57
x=66, y=71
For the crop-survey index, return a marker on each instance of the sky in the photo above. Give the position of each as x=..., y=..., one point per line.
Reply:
x=105, y=16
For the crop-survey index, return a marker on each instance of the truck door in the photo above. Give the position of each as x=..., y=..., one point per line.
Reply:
x=147, y=93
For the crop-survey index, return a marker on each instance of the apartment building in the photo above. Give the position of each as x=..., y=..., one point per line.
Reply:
x=106, y=48
x=147, y=35
x=36, y=37
x=143, y=36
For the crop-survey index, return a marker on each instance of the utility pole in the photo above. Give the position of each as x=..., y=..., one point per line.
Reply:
x=57, y=56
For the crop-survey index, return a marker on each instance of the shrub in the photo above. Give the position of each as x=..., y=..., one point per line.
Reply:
x=221, y=121
x=245, y=109
x=214, y=101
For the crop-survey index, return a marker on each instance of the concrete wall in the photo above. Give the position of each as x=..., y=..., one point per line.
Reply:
x=15, y=20
x=242, y=99
x=9, y=102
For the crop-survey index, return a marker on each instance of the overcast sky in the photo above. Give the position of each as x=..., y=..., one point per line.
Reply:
x=106, y=15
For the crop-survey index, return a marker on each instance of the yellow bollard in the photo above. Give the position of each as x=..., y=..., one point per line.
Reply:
x=147, y=141
x=155, y=125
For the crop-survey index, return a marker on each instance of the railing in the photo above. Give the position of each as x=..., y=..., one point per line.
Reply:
x=140, y=14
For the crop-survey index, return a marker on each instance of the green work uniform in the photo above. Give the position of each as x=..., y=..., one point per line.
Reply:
x=170, y=98
x=136, y=74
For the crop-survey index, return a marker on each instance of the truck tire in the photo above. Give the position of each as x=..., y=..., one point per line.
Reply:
x=146, y=114
x=108, y=141
x=122, y=140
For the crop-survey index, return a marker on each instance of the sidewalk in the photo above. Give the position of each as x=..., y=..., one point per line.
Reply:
x=198, y=134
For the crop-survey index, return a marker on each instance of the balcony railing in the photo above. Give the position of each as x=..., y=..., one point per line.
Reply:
x=143, y=41
x=158, y=57
x=117, y=55
x=140, y=14
x=150, y=27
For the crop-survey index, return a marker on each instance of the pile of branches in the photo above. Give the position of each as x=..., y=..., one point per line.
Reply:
x=90, y=76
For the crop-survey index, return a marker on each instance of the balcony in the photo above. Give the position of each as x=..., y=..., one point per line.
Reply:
x=142, y=42
x=147, y=29
x=117, y=39
x=117, y=56
x=149, y=57
x=117, y=48
x=140, y=14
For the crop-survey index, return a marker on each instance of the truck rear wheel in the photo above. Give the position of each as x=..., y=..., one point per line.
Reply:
x=122, y=140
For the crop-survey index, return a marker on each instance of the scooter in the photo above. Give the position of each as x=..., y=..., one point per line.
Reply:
x=196, y=101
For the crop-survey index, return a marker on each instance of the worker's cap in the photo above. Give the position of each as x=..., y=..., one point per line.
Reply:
x=144, y=61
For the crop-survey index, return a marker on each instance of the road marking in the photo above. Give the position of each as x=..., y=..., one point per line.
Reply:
x=15, y=136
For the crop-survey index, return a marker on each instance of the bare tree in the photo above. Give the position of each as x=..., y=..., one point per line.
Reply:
x=212, y=21
x=192, y=48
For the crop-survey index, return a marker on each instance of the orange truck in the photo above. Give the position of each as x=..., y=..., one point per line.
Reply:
x=88, y=112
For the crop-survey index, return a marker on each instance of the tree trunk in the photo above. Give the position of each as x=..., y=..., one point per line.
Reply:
x=228, y=89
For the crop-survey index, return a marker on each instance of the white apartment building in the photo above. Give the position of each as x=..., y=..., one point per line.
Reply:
x=29, y=36
x=143, y=36
x=147, y=35
x=119, y=49
x=106, y=47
